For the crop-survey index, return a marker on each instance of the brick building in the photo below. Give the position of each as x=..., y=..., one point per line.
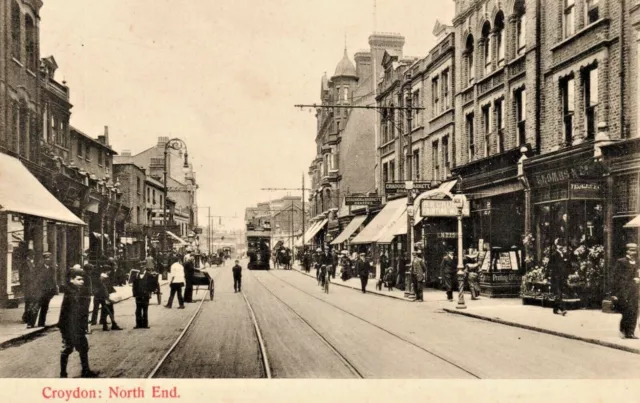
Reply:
x=181, y=182
x=345, y=140
x=134, y=238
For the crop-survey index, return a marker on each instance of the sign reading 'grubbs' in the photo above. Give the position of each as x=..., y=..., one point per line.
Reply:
x=441, y=208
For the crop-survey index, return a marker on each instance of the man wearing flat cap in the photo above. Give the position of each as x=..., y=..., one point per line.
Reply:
x=626, y=283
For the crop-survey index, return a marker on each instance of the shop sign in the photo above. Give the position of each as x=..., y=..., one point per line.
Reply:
x=392, y=188
x=585, y=190
x=447, y=235
x=563, y=175
x=441, y=208
x=362, y=200
x=500, y=277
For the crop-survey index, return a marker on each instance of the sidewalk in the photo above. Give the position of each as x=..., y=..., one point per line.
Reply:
x=588, y=325
x=12, y=329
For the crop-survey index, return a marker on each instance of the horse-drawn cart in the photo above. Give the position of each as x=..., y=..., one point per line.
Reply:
x=202, y=278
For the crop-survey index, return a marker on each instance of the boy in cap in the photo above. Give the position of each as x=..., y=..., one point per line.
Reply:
x=72, y=328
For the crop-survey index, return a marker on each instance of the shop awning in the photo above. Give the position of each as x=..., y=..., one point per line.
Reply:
x=395, y=228
x=349, y=230
x=177, y=238
x=374, y=230
x=314, y=230
x=439, y=193
x=306, y=234
x=635, y=223
x=21, y=192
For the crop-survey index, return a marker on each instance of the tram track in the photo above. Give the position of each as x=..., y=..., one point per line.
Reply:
x=345, y=361
x=395, y=335
x=175, y=344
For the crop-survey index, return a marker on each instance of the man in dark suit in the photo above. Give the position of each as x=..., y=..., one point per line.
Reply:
x=626, y=283
x=189, y=271
x=449, y=271
x=48, y=288
x=143, y=286
x=418, y=273
x=363, y=268
x=558, y=266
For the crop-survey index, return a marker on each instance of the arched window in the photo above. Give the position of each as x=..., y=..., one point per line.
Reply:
x=16, y=27
x=486, y=36
x=471, y=75
x=499, y=42
x=30, y=36
x=328, y=198
x=345, y=93
x=521, y=27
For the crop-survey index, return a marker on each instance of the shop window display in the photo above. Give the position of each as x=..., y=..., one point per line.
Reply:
x=581, y=224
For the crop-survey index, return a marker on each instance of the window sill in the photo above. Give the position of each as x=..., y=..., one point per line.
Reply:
x=582, y=32
x=438, y=116
x=18, y=62
x=517, y=58
x=31, y=73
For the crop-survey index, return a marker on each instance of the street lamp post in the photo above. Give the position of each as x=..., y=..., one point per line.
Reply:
x=409, y=186
x=459, y=201
x=174, y=144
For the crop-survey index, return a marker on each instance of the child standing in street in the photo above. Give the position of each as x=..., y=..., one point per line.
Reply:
x=72, y=327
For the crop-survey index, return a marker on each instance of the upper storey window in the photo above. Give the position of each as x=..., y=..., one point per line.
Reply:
x=569, y=20
x=16, y=28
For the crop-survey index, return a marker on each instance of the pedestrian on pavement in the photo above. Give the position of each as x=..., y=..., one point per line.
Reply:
x=95, y=282
x=86, y=292
x=189, y=271
x=27, y=277
x=48, y=287
x=400, y=270
x=448, y=267
x=176, y=282
x=418, y=273
x=142, y=287
x=471, y=273
x=237, y=277
x=558, y=267
x=72, y=324
x=104, y=288
x=627, y=281
x=31, y=291
x=363, y=268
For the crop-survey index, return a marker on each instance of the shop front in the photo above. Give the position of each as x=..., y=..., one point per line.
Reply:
x=377, y=235
x=497, y=219
x=30, y=219
x=623, y=163
x=568, y=203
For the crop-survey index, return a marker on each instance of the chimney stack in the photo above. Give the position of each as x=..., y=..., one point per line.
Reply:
x=106, y=135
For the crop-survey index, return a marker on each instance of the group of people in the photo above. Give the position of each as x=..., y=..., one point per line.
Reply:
x=85, y=283
x=360, y=265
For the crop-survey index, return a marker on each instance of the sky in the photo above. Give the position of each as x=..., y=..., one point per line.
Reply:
x=221, y=75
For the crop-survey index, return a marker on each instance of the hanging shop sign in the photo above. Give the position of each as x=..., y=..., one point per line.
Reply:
x=441, y=208
x=362, y=200
x=587, y=190
x=392, y=188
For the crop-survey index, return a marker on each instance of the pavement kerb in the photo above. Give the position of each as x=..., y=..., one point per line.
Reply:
x=543, y=330
x=356, y=289
x=37, y=331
